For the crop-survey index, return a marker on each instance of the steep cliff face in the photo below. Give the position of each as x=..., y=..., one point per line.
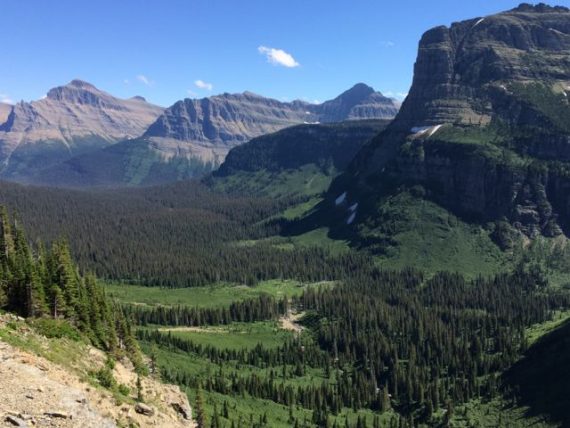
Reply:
x=459, y=68
x=71, y=119
x=485, y=130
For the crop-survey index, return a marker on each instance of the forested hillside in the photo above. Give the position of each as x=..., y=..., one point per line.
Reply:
x=45, y=283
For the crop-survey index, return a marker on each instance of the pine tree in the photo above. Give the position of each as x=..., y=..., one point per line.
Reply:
x=199, y=409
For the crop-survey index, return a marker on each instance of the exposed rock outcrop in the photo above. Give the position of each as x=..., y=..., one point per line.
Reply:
x=35, y=391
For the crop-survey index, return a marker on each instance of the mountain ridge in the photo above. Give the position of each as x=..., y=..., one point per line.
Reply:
x=224, y=121
x=193, y=137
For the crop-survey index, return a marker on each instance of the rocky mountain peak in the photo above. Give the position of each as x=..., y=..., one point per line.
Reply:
x=357, y=93
x=77, y=91
x=360, y=101
x=78, y=83
x=72, y=118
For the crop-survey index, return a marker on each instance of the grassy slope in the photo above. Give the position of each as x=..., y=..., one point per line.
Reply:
x=435, y=239
x=309, y=180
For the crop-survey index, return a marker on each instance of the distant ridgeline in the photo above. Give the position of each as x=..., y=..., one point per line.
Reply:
x=45, y=283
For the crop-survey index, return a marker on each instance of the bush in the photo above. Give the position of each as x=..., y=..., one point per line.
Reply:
x=124, y=389
x=105, y=378
x=55, y=328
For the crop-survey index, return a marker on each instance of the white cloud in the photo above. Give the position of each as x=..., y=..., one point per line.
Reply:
x=126, y=81
x=397, y=95
x=192, y=93
x=278, y=57
x=203, y=85
x=4, y=98
x=310, y=101
x=145, y=80
x=387, y=44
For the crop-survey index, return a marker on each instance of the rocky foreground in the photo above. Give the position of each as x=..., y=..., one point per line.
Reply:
x=35, y=391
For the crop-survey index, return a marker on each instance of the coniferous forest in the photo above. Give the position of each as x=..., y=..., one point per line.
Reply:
x=372, y=346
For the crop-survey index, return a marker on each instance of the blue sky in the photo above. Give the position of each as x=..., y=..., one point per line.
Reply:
x=310, y=49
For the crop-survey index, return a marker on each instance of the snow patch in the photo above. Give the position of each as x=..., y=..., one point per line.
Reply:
x=478, y=22
x=350, y=219
x=340, y=199
x=434, y=130
x=353, y=207
x=421, y=130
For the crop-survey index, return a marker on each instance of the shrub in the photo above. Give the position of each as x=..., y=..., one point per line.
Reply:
x=55, y=328
x=124, y=389
x=105, y=378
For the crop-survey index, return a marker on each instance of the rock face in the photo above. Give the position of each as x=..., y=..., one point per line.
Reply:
x=207, y=128
x=70, y=120
x=458, y=68
x=485, y=129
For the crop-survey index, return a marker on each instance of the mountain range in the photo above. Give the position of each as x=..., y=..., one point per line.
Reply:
x=81, y=136
x=209, y=127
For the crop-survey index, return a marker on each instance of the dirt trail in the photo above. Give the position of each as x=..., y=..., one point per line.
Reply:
x=289, y=322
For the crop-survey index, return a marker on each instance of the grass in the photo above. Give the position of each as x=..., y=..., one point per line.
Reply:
x=309, y=180
x=415, y=232
x=213, y=296
x=535, y=332
x=313, y=238
x=217, y=295
x=234, y=336
x=496, y=413
x=302, y=209
x=65, y=351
